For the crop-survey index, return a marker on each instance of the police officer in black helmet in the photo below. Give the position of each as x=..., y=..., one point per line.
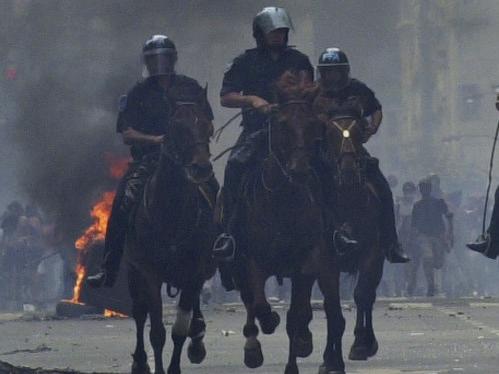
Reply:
x=247, y=84
x=354, y=97
x=144, y=116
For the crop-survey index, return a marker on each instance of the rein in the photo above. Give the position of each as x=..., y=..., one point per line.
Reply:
x=271, y=152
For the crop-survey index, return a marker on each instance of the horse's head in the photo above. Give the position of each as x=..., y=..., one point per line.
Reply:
x=294, y=131
x=344, y=139
x=187, y=141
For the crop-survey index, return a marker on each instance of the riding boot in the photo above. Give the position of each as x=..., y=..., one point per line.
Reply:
x=488, y=244
x=127, y=194
x=113, y=251
x=394, y=252
x=224, y=248
x=342, y=241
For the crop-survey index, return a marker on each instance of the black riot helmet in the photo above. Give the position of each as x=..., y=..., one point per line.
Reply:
x=268, y=20
x=334, y=69
x=159, y=56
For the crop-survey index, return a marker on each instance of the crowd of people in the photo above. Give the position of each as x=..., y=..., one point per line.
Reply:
x=32, y=269
x=434, y=227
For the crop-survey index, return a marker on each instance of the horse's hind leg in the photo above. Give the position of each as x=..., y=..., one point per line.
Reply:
x=268, y=319
x=158, y=331
x=329, y=285
x=297, y=321
x=180, y=329
x=196, y=350
x=139, y=312
x=365, y=344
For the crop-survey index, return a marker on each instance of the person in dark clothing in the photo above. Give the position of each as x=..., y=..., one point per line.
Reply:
x=247, y=84
x=488, y=244
x=351, y=96
x=433, y=238
x=144, y=116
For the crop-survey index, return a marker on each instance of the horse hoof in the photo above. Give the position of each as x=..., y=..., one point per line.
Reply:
x=196, y=352
x=325, y=370
x=253, y=357
x=361, y=352
x=140, y=368
x=291, y=369
x=269, y=322
x=303, y=346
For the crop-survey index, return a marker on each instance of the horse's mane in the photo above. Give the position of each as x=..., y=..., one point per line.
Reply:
x=295, y=86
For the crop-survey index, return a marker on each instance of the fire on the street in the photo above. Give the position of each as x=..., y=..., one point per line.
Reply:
x=96, y=232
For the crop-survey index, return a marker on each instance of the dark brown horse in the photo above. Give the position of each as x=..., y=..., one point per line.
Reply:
x=359, y=208
x=283, y=223
x=170, y=239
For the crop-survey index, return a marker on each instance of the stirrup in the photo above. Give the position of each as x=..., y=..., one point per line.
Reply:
x=221, y=245
x=341, y=246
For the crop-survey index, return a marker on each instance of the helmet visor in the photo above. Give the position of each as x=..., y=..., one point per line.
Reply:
x=334, y=77
x=159, y=62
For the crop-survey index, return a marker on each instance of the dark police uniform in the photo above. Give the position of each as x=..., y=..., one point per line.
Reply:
x=253, y=73
x=358, y=100
x=147, y=108
x=493, y=229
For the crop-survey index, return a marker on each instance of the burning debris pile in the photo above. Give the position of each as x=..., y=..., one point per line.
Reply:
x=94, y=237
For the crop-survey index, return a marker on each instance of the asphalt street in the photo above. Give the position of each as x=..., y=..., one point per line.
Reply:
x=415, y=336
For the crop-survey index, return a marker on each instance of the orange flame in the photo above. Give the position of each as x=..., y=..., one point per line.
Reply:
x=97, y=231
x=80, y=275
x=112, y=314
x=117, y=165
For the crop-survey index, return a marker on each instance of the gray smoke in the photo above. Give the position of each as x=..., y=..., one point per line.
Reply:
x=74, y=59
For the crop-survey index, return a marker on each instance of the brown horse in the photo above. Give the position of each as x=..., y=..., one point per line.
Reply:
x=283, y=223
x=170, y=239
x=359, y=208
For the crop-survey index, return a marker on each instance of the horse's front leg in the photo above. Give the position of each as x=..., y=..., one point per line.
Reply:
x=196, y=350
x=181, y=327
x=297, y=320
x=139, y=312
x=268, y=319
x=158, y=331
x=329, y=285
x=253, y=356
x=370, y=272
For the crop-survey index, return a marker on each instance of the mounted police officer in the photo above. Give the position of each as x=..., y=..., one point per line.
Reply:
x=488, y=244
x=247, y=84
x=351, y=94
x=143, y=119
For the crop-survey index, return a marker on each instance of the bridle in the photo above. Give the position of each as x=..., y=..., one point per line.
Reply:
x=347, y=145
x=346, y=134
x=272, y=154
x=175, y=157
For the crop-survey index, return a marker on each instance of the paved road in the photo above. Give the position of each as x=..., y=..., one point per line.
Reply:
x=417, y=336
